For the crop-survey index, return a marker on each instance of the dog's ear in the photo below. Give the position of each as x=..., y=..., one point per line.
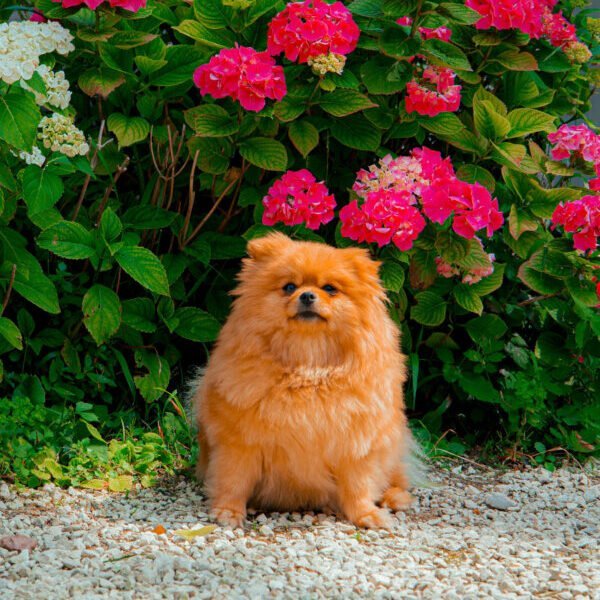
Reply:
x=366, y=268
x=268, y=246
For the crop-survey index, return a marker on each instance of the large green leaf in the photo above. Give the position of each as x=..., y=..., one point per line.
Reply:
x=382, y=75
x=265, y=153
x=212, y=38
x=212, y=13
x=392, y=276
x=148, y=217
x=182, y=61
x=430, y=309
x=41, y=189
x=138, y=313
x=196, y=325
x=101, y=313
x=68, y=239
x=304, y=136
x=489, y=123
x=446, y=54
x=211, y=120
x=101, y=81
x=486, y=329
x=10, y=332
x=143, y=265
x=213, y=153
x=341, y=102
x=366, y=8
x=445, y=124
x=466, y=297
x=129, y=130
x=19, y=119
x=524, y=121
x=356, y=132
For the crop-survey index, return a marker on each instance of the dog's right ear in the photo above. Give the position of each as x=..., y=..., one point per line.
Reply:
x=268, y=246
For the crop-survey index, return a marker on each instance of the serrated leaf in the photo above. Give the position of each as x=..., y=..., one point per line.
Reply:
x=19, y=119
x=489, y=123
x=100, y=81
x=110, y=225
x=479, y=387
x=126, y=40
x=446, y=54
x=93, y=431
x=366, y=8
x=94, y=484
x=304, y=136
x=10, y=332
x=356, y=132
x=129, y=130
x=101, y=313
x=68, y=240
x=190, y=534
x=266, y=153
x=519, y=222
x=143, y=266
x=490, y=283
x=41, y=189
x=148, y=217
x=517, y=61
x=539, y=282
x=342, y=102
x=430, y=309
x=392, y=276
x=213, y=154
x=182, y=61
x=211, y=120
x=476, y=174
x=212, y=38
x=524, y=121
x=466, y=297
x=138, y=313
x=196, y=325
x=445, y=124
x=460, y=13
x=212, y=13
x=486, y=329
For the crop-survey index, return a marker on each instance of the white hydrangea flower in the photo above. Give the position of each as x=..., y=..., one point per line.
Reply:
x=57, y=88
x=327, y=63
x=23, y=42
x=59, y=134
x=35, y=157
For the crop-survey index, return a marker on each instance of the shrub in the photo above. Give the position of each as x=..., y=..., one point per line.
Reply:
x=143, y=143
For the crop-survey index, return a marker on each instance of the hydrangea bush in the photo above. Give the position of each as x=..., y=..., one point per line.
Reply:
x=143, y=142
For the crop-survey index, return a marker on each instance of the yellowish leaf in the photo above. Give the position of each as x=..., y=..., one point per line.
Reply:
x=190, y=534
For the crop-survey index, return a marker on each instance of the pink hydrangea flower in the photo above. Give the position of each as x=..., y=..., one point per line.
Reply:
x=91, y=4
x=440, y=33
x=578, y=140
x=242, y=73
x=312, y=28
x=296, y=198
x=38, y=17
x=385, y=216
x=471, y=204
x=445, y=269
x=434, y=93
x=582, y=219
x=410, y=173
x=557, y=28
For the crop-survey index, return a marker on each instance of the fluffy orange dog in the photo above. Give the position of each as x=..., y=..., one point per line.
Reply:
x=301, y=406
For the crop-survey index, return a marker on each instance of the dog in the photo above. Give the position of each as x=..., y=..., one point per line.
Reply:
x=301, y=405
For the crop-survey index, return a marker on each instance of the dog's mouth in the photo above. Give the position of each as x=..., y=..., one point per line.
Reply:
x=308, y=315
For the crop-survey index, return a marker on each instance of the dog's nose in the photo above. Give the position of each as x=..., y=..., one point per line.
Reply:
x=308, y=298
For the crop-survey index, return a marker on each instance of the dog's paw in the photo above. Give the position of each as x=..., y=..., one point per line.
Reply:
x=228, y=517
x=376, y=519
x=396, y=498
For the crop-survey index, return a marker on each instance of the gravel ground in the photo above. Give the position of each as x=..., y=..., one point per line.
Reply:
x=475, y=534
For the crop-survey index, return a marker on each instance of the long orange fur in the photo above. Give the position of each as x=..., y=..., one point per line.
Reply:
x=296, y=414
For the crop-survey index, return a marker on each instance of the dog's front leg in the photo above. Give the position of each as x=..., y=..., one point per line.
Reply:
x=357, y=494
x=232, y=474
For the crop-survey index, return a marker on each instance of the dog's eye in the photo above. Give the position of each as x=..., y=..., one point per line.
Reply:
x=329, y=289
x=289, y=288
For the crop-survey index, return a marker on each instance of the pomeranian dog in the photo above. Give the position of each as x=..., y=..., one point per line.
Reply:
x=301, y=405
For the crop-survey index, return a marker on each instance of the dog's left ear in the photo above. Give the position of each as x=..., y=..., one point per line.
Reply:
x=268, y=246
x=366, y=268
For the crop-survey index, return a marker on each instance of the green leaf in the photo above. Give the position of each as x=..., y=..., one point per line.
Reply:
x=476, y=174
x=190, y=534
x=383, y=75
x=289, y=108
x=265, y=153
x=489, y=123
x=396, y=43
x=143, y=266
x=445, y=124
x=479, y=387
x=486, y=329
x=304, y=136
x=101, y=313
x=341, y=102
x=460, y=13
x=153, y=384
x=524, y=121
x=129, y=130
x=41, y=189
x=430, y=309
x=148, y=65
x=93, y=431
x=356, y=132
x=30, y=281
x=121, y=483
x=110, y=225
x=445, y=54
x=212, y=38
x=490, y=283
x=517, y=61
x=19, y=119
x=101, y=81
x=213, y=154
x=68, y=240
x=210, y=120
x=466, y=297
x=126, y=40
x=366, y=8
x=519, y=222
x=212, y=13
x=196, y=325
x=148, y=217
x=392, y=276
x=583, y=291
x=541, y=283
x=138, y=313
x=182, y=61
x=10, y=332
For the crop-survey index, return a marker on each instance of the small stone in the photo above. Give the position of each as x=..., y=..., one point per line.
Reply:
x=500, y=501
